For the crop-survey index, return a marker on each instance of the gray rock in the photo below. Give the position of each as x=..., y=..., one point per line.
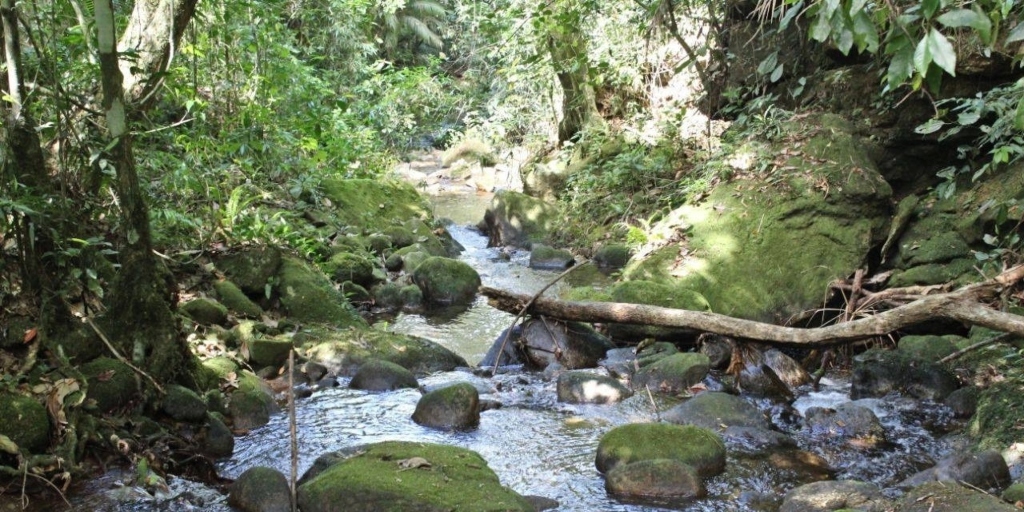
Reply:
x=984, y=470
x=654, y=479
x=963, y=402
x=378, y=375
x=713, y=409
x=455, y=407
x=786, y=368
x=507, y=344
x=574, y=345
x=846, y=421
x=673, y=374
x=217, y=440
x=834, y=495
x=543, y=257
x=588, y=388
x=183, y=404
x=261, y=489
x=877, y=373
x=717, y=348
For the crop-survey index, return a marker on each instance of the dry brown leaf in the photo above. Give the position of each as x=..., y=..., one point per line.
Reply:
x=30, y=335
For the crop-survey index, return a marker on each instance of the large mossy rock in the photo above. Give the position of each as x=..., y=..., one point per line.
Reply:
x=206, y=311
x=308, y=296
x=251, y=405
x=261, y=489
x=355, y=267
x=950, y=497
x=713, y=409
x=112, y=384
x=232, y=297
x=673, y=374
x=25, y=422
x=877, y=373
x=251, y=268
x=343, y=351
x=766, y=244
x=377, y=375
x=446, y=282
x=656, y=479
x=405, y=477
x=696, y=447
x=517, y=219
x=373, y=205
x=455, y=407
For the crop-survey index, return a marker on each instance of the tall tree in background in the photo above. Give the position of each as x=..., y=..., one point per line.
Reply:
x=567, y=45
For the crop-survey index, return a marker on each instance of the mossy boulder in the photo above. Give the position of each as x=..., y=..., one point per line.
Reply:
x=400, y=236
x=446, y=282
x=543, y=257
x=346, y=266
x=307, y=296
x=232, y=297
x=877, y=373
x=673, y=374
x=205, y=311
x=343, y=351
x=411, y=297
x=655, y=479
x=928, y=347
x=387, y=296
x=372, y=204
x=379, y=244
x=470, y=150
x=183, y=404
x=357, y=295
x=407, y=259
x=251, y=268
x=612, y=256
x=405, y=476
x=697, y=447
x=590, y=388
x=378, y=375
x=830, y=495
x=269, y=350
x=216, y=439
x=996, y=422
x=25, y=422
x=261, y=489
x=112, y=384
x=950, y=497
x=766, y=244
x=250, y=405
x=516, y=219
x=713, y=409
x=454, y=407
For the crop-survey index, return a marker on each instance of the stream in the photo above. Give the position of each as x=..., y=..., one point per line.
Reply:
x=539, y=446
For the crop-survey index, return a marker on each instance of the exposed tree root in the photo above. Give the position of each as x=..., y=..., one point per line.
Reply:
x=966, y=305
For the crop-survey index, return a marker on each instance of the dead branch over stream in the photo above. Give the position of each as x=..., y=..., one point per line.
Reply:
x=967, y=305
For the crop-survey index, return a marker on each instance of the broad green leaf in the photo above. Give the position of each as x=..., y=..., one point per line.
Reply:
x=968, y=118
x=930, y=126
x=901, y=66
x=928, y=8
x=942, y=52
x=1018, y=118
x=791, y=14
x=820, y=29
x=922, y=57
x=1017, y=34
x=777, y=73
x=857, y=6
x=963, y=18
x=768, y=64
x=865, y=33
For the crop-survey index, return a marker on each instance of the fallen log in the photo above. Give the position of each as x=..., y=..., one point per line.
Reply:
x=966, y=305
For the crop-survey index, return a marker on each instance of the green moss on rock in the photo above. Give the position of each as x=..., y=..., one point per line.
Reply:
x=112, y=384
x=346, y=266
x=698, y=447
x=929, y=347
x=25, y=422
x=345, y=350
x=446, y=282
x=375, y=479
x=612, y=256
x=308, y=296
x=269, y=350
x=373, y=205
x=517, y=219
x=251, y=268
x=205, y=311
x=232, y=297
x=675, y=373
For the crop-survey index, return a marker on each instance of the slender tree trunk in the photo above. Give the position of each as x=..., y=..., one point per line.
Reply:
x=568, y=49
x=153, y=33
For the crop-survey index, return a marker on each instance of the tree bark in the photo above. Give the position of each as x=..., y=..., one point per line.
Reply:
x=567, y=46
x=152, y=35
x=963, y=305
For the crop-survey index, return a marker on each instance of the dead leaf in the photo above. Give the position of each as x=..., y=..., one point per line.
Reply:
x=8, y=446
x=414, y=463
x=55, y=401
x=30, y=335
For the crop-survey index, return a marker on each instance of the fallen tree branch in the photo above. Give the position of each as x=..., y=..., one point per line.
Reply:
x=964, y=305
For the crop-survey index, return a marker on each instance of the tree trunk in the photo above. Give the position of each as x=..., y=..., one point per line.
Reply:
x=963, y=305
x=568, y=49
x=140, y=307
x=153, y=33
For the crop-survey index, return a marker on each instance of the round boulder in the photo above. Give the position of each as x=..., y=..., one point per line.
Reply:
x=378, y=375
x=877, y=373
x=183, y=404
x=983, y=470
x=835, y=495
x=25, y=422
x=573, y=345
x=455, y=407
x=846, y=421
x=673, y=374
x=697, y=447
x=588, y=388
x=261, y=489
x=446, y=282
x=543, y=257
x=712, y=409
x=612, y=256
x=654, y=479
x=112, y=383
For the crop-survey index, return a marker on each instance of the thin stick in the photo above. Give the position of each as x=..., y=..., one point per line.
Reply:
x=292, y=431
x=984, y=343
x=121, y=358
x=522, y=312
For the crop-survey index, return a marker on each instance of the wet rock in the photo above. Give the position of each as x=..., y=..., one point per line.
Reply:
x=540, y=503
x=654, y=479
x=342, y=352
x=398, y=475
x=516, y=219
x=543, y=257
x=756, y=439
x=261, y=489
x=846, y=421
x=620, y=362
x=217, y=440
x=786, y=368
x=377, y=375
x=963, y=402
x=183, y=404
x=506, y=344
x=717, y=348
x=949, y=497
x=588, y=388
x=984, y=470
x=574, y=345
x=758, y=379
x=232, y=297
x=269, y=351
x=928, y=348
x=697, y=447
x=446, y=282
x=251, y=404
x=801, y=465
x=877, y=373
x=455, y=407
x=673, y=374
x=251, y=268
x=25, y=422
x=835, y=495
x=112, y=383
x=713, y=409
x=653, y=353
x=309, y=297
x=612, y=256
x=205, y=311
